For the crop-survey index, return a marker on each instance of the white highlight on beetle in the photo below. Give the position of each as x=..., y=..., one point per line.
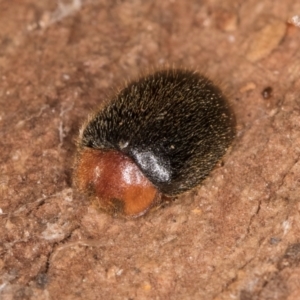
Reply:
x=149, y=161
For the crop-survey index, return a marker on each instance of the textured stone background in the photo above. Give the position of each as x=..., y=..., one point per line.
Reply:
x=237, y=236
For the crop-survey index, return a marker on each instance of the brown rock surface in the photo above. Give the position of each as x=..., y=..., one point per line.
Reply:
x=237, y=236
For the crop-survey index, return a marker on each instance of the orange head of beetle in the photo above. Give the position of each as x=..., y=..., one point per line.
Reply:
x=114, y=182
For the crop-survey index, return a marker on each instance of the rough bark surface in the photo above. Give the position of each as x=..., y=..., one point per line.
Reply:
x=237, y=236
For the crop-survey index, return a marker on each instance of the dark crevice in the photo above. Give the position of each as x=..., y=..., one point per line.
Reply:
x=253, y=216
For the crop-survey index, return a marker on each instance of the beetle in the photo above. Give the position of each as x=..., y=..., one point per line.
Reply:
x=160, y=136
